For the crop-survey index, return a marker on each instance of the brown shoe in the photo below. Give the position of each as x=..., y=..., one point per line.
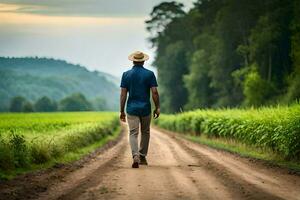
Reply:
x=136, y=161
x=143, y=160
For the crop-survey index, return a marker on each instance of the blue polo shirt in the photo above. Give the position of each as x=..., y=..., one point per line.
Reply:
x=138, y=82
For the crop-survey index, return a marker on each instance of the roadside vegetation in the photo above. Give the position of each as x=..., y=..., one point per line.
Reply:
x=37, y=140
x=272, y=130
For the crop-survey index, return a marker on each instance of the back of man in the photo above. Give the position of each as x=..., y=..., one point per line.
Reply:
x=138, y=82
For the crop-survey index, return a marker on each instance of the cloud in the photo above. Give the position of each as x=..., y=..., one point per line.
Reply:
x=110, y=8
x=18, y=8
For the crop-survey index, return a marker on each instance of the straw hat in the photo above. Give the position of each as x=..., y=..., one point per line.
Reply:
x=138, y=56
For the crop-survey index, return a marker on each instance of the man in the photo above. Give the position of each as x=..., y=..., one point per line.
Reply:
x=138, y=82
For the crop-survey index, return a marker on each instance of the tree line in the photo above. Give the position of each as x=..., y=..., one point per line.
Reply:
x=226, y=53
x=74, y=102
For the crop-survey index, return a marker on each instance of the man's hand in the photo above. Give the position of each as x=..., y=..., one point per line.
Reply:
x=155, y=97
x=123, y=97
x=156, y=113
x=123, y=117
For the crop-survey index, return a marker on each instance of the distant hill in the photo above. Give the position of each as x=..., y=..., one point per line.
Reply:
x=33, y=78
x=110, y=77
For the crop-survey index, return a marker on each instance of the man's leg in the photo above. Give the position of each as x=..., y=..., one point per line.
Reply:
x=133, y=123
x=145, y=136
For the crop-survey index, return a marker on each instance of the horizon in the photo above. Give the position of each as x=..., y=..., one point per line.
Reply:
x=89, y=33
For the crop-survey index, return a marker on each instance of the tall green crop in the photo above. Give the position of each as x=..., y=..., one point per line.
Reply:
x=277, y=128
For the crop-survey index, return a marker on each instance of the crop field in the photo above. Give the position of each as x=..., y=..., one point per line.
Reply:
x=28, y=139
x=274, y=128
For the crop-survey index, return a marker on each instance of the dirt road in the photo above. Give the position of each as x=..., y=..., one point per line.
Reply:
x=178, y=169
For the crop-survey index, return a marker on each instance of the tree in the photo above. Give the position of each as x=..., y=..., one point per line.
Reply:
x=170, y=77
x=75, y=102
x=45, y=104
x=294, y=81
x=232, y=27
x=166, y=22
x=27, y=107
x=161, y=16
x=257, y=91
x=16, y=104
x=99, y=104
x=197, y=82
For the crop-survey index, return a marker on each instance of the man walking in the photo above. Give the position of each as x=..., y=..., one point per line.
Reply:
x=138, y=82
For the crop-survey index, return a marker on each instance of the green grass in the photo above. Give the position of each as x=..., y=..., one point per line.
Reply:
x=274, y=129
x=53, y=124
x=39, y=140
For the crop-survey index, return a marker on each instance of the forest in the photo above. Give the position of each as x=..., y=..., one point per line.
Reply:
x=226, y=53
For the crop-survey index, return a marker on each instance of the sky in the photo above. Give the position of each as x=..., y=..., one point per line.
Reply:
x=98, y=34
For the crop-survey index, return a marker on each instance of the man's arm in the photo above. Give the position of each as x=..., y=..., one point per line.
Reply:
x=123, y=98
x=155, y=98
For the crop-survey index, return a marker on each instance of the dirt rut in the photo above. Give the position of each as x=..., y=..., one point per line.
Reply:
x=178, y=169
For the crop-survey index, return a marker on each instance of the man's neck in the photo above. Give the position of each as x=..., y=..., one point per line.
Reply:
x=138, y=65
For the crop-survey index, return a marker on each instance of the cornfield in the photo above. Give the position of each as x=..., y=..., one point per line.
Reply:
x=275, y=128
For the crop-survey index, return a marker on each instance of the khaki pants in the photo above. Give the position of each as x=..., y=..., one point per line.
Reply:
x=134, y=122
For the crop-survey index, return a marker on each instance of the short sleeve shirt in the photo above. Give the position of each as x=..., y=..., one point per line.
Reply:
x=138, y=82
